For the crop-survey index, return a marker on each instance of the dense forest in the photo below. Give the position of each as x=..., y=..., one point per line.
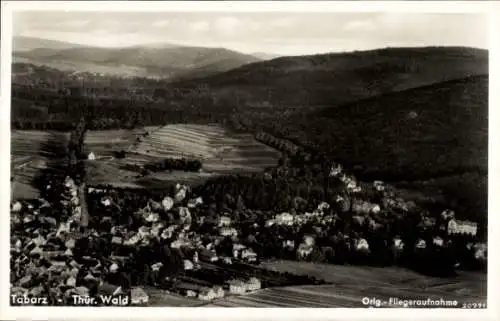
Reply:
x=397, y=134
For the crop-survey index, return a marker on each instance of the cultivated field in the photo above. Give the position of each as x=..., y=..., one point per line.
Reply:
x=162, y=298
x=32, y=152
x=352, y=283
x=104, y=142
x=220, y=150
x=27, y=143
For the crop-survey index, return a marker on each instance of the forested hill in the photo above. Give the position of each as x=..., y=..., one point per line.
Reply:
x=169, y=61
x=337, y=78
x=432, y=139
x=20, y=43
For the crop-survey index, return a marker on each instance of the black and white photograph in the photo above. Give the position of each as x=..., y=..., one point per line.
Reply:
x=206, y=158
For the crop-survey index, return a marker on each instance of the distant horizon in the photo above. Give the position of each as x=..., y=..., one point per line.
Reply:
x=167, y=44
x=273, y=33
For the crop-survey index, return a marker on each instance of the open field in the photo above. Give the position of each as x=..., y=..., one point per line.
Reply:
x=390, y=281
x=351, y=284
x=112, y=172
x=37, y=143
x=162, y=298
x=221, y=152
x=104, y=142
x=31, y=153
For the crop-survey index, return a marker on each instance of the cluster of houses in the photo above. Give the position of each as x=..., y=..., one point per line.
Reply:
x=179, y=235
x=208, y=292
x=42, y=253
x=42, y=245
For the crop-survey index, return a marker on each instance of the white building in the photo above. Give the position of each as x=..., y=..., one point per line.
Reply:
x=228, y=231
x=188, y=265
x=465, y=227
x=284, y=219
x=224, y=221
x=139, y=296
x=237, y=287
x=91, y=156
x=207, y=294
x=253, y=284
x=437, y=241
x=421, y=244
x=167, y=203
x=362, y=245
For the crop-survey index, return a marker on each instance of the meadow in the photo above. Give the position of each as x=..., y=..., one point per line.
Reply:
x=32, y=152
x=220, y=151
x=351, y=284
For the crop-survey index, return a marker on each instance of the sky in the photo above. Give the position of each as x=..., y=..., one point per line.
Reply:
x=286, y=33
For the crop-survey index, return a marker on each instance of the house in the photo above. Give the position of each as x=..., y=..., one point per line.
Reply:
x=398, y=244
x=358, y=219
x=116, y=240
x=156, y=266
x=361, y=245
x=207, y=294
x=139, y=296
x=192, y=203
x=448, y=214
x=184, y=214
x=132, y=240
x=227, y=260
x=224, y=221
x=219, y=291
x=462, y=227
x=168, y=232
x=152, y=217
x=180, y=195
x=437, y=241
x=304, y=250
x=143, y=231
x=188, y=289
x=289, y=244
x=91, y=156
x=237, y=287
x=113, y=268
x=238, y=247
x=323, y=206
x=188, y=265
x=270, y=222
x=106, y=201
x=309, y=240
x=480, y=251
x=249, y=255
x=208, y=255
x=427, y=223
x=284, y=219
x=421, y=244
x=177, y=244
x=167, y=203
x=253, y=284
x=363, y=207
x=357, y=189
x=379, y=186
x=351, y=185
x=336, y=170
x=16, y=207
x=228, y=231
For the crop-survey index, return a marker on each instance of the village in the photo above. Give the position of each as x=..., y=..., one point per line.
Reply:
x=114, y=242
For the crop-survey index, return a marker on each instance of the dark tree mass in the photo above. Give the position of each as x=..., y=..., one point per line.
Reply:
x=383, y=163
